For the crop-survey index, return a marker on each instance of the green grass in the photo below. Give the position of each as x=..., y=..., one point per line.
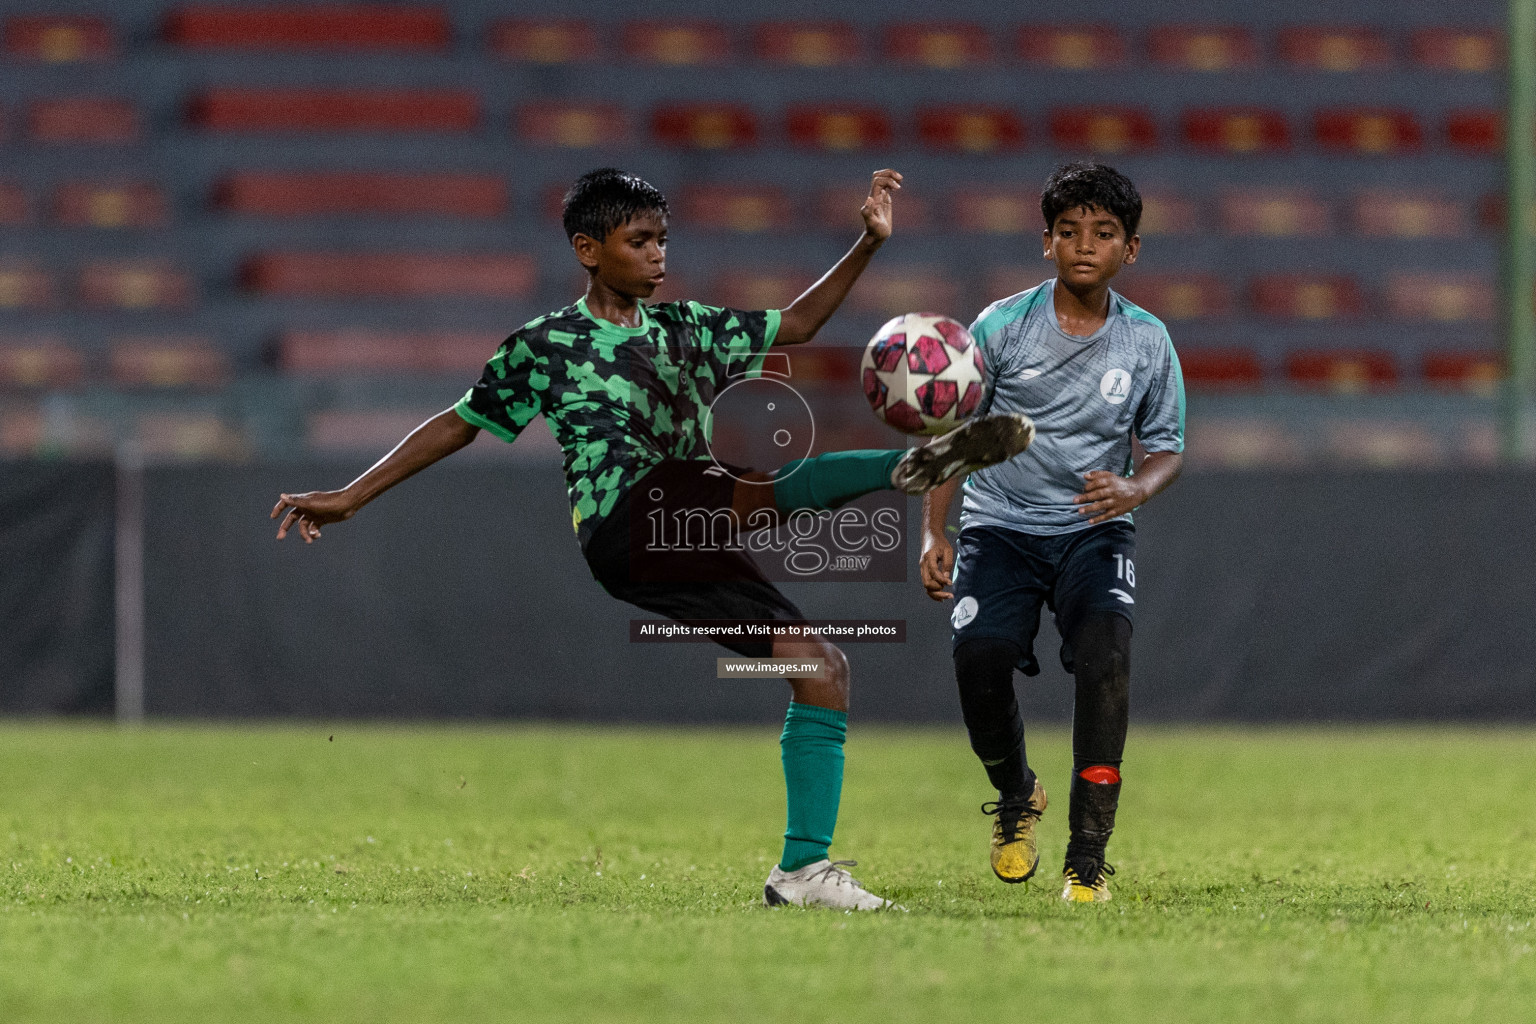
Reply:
x=541, y=873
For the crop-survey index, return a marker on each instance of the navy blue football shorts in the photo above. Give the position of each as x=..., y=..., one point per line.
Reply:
x=1003, y=577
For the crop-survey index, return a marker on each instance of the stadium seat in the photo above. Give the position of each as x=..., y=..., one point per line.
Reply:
x=96, y=205
x=996, y=210
x=572, y=125
x=1367, y=131
x=1102, y=129
x=189, y=436
x=1072, y=47
x=167, y=363
x=15, y=208
x=1274, y=213
x=807, y=44
x=305, y=27
x=1469, y=371
x=704, y=125
x=131, y=284
x=970, y=129
x=1383, y=213
x=749, y=209
x=1341, y=371
x=890, y=291
x=544, y=40
x=1468, y=51
x=1307, y=297
x=942, y=46
x=361, y=351
x=1440, y=297
x=362, y=193
x=837, y=127
x=1382, y=443
x=39, y=362
x=1203, y=47
x=399, y=275
x=1164, y=212
x=1236, y=130
x=25, y=285
x=1475, y=131
x=677, y=43
x=766, y=288
x=1492, y=210
x=83, y=119
x=837, y=208
x=1221, y=369
x=335, y=110
x=825, y=363
x=1178, y=296
x=1343, y=48
x=59, y=38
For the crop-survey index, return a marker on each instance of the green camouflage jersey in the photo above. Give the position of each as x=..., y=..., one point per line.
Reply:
x=618, y=399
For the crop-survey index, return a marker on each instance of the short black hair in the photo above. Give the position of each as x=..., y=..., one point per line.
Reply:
x=1094, y=186
x=603, y=200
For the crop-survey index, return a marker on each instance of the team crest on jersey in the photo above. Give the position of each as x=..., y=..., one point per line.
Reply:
x=1116, y=386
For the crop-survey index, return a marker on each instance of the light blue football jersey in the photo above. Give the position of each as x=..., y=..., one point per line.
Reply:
x=1087, y=397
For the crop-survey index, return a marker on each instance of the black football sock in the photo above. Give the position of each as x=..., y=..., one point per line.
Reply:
x=1101, y=654
x=984, y=670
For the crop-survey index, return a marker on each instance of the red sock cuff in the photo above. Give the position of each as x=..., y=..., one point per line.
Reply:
x=1100, y=773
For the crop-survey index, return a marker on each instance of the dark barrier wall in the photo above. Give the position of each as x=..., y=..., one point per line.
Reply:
x=56, y=578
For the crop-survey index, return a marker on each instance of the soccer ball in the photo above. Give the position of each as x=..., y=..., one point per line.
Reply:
x=922, y=373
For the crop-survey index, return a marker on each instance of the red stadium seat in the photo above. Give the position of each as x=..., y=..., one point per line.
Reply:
x=808, y=44
x=1468, y=51
x=25, y=285
x=1072, y=47
x=704, y=126
x=1221, y=369
x=128, y=284
x=1307, y=297
x=760, y=289
x=362, y=193
x=59, y=38
x=1461, y=370
x=1475, y=131
x=1343, y=371
x=997, y=210
x=1427, y=297
x=336, y=110
x=941, y=46
x=363, y=351
x=677, y=43
x=837, y=209
x=318, y=27
x=1167, y=213
x=1236, y=130
x=87, y=119
x=1178, y=296
x=167, y=363
x=1367, y=131
x=1342, y=48
x=890, y=291
x=1274, y=213
x=40, y=362
x=1383, y=213
x=15, y=209
x=572, y=125
x=970, y=129
x=749, y=209
x=393, y=275
x=1203, y=47
x=545, y=40
x=837, y=127
x=1103, y=129
x=132, y=205
x=1492, y=211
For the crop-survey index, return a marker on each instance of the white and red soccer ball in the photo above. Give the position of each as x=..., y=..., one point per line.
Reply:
x=923, y=374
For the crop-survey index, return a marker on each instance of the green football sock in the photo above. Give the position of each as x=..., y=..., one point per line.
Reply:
x=812, y=747
x=827, y=481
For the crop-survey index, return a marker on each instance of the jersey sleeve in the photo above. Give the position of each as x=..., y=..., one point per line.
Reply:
x=509, y=393
x=740, y=338
x=987, y=330
x=1160, y=420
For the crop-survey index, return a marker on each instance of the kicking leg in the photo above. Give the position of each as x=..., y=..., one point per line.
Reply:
x=1101, y=651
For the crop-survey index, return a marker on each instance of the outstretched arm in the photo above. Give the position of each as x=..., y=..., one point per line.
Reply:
x=805, y=316
x=440, y=436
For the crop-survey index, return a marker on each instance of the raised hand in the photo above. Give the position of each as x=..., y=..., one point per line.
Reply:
x=876, y=210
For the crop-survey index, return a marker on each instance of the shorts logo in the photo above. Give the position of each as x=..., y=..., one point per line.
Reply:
x=965, y=612
x=1122, y=595
x=1116, y=386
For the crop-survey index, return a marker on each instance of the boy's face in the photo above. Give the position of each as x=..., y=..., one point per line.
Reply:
x=1089, y=246
x=632, y=260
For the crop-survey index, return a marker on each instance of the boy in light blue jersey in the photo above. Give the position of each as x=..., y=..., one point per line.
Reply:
x=1052, y=526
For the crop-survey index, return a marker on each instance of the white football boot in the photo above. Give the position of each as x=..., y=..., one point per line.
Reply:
x=984, y=441
x=822, y=884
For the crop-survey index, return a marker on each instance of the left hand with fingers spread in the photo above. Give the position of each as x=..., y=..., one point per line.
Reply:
x=1107, y=495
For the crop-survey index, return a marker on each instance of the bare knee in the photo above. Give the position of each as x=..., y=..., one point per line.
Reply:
x=829, y=688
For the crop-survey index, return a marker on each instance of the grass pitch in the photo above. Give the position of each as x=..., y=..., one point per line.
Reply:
x=543, y=873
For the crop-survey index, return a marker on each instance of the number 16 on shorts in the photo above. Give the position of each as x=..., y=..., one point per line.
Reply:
x=1125, y=569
